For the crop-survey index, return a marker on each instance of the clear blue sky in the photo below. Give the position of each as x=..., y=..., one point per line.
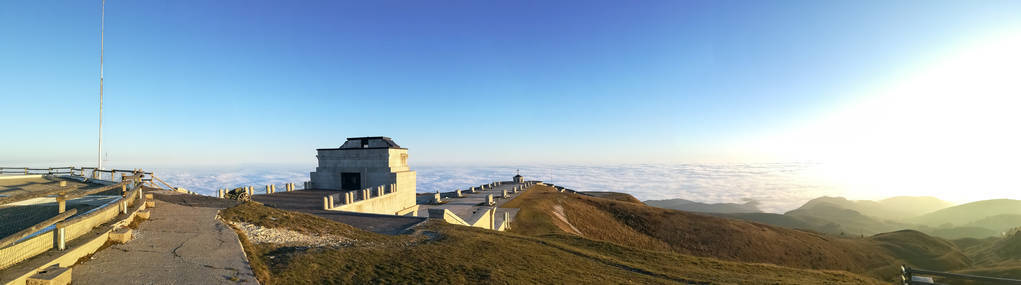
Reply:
x=211, y=82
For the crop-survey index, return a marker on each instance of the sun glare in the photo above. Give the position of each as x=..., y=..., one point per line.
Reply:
x=949, y=130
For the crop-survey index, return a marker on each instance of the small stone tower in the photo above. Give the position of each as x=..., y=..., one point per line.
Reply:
x=518, y=178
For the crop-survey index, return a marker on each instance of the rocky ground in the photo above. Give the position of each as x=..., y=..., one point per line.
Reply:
x=260, y=234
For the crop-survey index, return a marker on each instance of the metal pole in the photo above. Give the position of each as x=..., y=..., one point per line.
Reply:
x=102, y=36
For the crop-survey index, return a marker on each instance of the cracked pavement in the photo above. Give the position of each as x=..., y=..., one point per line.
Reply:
x=178, y=245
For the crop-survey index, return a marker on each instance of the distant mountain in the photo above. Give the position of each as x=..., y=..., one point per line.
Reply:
x=835, y=219
x=963, y=232
x=971, y=213
x=911, y=206
x=999, y=223
x=751, y=206
x=895, y=208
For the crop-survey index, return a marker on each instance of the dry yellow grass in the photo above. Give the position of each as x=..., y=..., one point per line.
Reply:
x=637, y=225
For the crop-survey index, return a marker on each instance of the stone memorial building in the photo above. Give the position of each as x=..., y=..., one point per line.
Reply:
x=367, y=162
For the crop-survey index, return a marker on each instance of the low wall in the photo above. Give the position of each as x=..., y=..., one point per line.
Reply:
x=26, y=249
x=390, y=203
x=80, y=225
x=447, y=216
x=20, y=176
x=484, y=218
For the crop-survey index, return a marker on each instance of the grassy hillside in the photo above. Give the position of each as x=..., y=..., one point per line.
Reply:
x=971, y=212
x=613, y=196
x=778, y=220
x=450, y=254
x=545, y=211
x=998, y=223
x=924, y=251
x=963, y=232
x=1000, y=256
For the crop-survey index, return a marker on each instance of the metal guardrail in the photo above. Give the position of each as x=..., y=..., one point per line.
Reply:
x=912, y=276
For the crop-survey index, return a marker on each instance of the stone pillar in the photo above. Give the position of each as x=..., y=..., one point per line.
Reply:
x=436, y=198
x=459, y=195
x=326, y=203
x=504, y=194
x=350, y=197
x=489, y=199
x=472, y=189
x=268, y=189
x=331, y=201
x=506, y=219
x=379, y=191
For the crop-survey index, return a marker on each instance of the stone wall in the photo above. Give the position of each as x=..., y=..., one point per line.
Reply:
x=376, y=166
x=392, y=199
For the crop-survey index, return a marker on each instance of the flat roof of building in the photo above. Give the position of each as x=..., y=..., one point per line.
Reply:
x=378, y=142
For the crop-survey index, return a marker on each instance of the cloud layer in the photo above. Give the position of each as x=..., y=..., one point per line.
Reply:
x=778, y=187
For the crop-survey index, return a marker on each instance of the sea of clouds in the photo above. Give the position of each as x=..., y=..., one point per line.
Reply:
x=778, y=187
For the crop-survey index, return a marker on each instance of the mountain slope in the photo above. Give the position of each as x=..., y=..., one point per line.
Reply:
x=922, y=250
x=545, y=211
x=692, y=206
x=440, y=253
x=893, y=209
x=834, y=219
x=971, y=212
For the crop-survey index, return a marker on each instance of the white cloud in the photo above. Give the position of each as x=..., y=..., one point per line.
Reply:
x=777, y=186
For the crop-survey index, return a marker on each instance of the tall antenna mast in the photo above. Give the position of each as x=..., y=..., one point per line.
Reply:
x=102, y=35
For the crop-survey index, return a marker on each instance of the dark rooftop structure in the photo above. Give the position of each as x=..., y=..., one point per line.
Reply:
x=367, y=143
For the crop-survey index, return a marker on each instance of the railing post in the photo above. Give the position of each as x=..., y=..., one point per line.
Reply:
x=61, y=203
x=59, y=237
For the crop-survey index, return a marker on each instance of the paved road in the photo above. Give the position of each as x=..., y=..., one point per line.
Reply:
x=182, y=243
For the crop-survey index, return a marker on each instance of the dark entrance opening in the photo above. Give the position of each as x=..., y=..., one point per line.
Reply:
x=350, y=181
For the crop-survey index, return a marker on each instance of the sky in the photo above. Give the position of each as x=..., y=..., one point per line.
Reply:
x=891, y=91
